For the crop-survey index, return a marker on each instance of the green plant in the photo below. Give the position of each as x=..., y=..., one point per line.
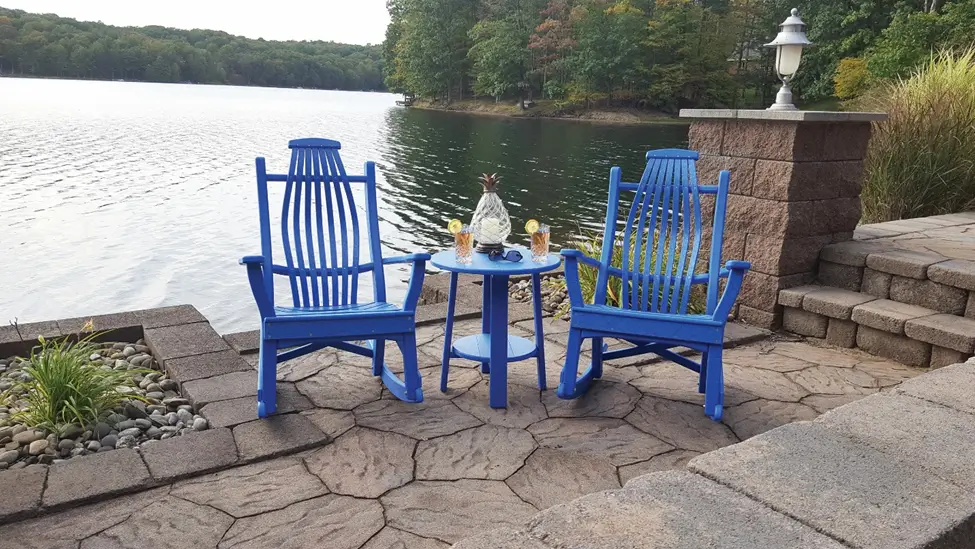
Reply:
x=921, y=160
x=591, y=244
x=64, y=386
x=852, y=78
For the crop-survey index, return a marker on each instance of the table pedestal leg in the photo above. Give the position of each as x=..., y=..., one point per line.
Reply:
x=539, y=336
x=499, y=342
x=448, y=332
x=486, y=315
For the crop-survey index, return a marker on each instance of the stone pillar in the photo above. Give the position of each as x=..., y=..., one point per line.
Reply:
x=795, y=187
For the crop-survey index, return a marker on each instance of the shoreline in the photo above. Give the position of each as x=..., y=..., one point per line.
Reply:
x=547, y=110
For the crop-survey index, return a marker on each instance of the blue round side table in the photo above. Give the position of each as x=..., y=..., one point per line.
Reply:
x=493, y=347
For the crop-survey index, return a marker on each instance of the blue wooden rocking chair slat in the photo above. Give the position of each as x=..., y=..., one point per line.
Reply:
x=318, y=207
x=660, y=248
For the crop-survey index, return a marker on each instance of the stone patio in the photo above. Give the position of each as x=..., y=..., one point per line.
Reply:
x=428, y=475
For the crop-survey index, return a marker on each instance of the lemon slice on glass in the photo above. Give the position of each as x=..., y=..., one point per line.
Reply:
x=532, y=226
x=454, y=226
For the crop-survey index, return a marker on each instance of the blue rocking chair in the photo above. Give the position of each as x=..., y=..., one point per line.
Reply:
x=660, y=247
x=320, y=235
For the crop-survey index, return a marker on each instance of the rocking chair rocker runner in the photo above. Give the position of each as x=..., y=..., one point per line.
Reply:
x=660, y=246
x=320, y=236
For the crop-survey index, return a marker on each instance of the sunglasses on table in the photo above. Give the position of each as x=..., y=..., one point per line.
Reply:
x=510, y=255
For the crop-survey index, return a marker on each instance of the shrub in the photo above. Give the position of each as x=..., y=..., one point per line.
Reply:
x=65, y=387
x=921, y=161
x=852, y=78
x=591, y=244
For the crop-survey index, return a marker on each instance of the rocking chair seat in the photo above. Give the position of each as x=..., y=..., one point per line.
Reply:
x=336, y=311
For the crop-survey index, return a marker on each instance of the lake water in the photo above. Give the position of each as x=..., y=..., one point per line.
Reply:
x=118, y=195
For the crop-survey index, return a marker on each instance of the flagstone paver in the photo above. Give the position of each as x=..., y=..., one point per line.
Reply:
x=819, y=355
x=887, y=373
x=253, y=489
x=825, y=403
x=763, y=383
x=306, y=366
x=451, y=511
x=680, y=424
x=674, y=382
x=829, y=380
x=524, y=406
x=332, y=422
x=756, y=417
x=760, y=356
x=604, y=399
x=675, y=459
x=362, y=470
x=343, y=386
x=610, y=439
x=487, y=452
x=336, y=522
x=170, y=523
x=391, y=538
x=364, y=463
x=551, y=477
x=422, y=421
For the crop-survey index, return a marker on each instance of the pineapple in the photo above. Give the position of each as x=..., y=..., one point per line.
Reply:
x=491, y=223
x=490, y=182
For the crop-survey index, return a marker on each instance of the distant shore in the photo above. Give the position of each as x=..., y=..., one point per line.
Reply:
x=550, y=109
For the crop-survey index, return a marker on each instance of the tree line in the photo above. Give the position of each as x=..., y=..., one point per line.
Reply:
x=48, y=45
x=659, y=54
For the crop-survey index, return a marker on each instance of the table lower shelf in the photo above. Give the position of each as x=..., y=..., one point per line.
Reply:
x=478, y=347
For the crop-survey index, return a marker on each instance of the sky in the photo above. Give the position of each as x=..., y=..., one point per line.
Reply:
x=349, y=21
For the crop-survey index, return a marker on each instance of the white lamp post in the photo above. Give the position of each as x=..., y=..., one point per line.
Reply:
x=788, y=46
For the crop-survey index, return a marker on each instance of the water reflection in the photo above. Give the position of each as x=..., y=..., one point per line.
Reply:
x=117, y=196
x=554, y=171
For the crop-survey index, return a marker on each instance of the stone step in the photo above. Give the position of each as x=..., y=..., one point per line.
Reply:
x=915, y=261
x=910, y=334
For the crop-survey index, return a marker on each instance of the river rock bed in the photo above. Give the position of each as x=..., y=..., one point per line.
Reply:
x=165, y=413
x=555, y=297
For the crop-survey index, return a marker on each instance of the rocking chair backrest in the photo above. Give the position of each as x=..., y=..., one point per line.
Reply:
x=662, y=235
x=320, y=227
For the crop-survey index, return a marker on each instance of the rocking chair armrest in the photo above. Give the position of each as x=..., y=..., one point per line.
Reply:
x=572, y=260
x=251, y=259
x=411, y=258
x=736, y=270
x=578, y=255
x=255, y=275
x=416, y=278
x=734, y=265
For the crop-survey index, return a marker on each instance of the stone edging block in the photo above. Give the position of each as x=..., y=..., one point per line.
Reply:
x=191, y=368
x=957, y=272
x=948, y=331
x=909, y=263
x=792, y=297
x=183, y=340
x=95, y=476
x=22, y=490
x=671, y=509
x=244, y=342
x=834, y=302
x=842, y=488
x=276, y=436
x=889, y=316
x=190, y=454
x=951, y=386
x=934, y=437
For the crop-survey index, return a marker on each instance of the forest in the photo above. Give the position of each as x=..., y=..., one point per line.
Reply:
x=52, y=46
x=658, y=54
